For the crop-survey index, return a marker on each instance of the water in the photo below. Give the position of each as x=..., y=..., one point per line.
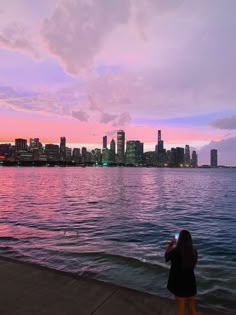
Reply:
x=112, y=224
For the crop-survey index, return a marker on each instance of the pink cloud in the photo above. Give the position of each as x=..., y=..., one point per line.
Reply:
x=131, y=59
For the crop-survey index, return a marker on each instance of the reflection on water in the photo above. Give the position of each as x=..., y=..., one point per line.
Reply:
x=113, y=223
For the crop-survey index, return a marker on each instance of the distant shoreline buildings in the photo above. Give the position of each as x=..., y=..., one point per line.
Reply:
x=130, y=153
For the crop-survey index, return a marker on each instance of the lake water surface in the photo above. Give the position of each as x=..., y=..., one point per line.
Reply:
x=113, y=224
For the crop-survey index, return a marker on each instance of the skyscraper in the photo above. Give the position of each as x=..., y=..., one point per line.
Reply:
x=160, y=143
x=131, y=152
x=68, y=154
x=63, y=149
x=120, y=147
x=34, y=143
x=134, y=152
x=140, y=152
x=98, y=155
x=76, y=155
x=84, y=155
x=105, y=156
x=52, y=152
x=104, y=142
x=112, y=151
x=187, y=155
x=179, y=156
x=214, y=162
x=5, y=149
x=21, y=144
x=194, y=161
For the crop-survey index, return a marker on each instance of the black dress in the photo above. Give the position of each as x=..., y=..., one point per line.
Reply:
x=181, y=282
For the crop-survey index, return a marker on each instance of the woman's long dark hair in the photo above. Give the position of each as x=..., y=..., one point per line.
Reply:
x=187, y=252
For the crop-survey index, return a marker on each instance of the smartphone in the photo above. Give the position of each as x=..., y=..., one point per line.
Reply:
x=176, y=236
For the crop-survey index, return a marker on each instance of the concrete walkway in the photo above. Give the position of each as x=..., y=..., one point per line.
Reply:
x=30, y=289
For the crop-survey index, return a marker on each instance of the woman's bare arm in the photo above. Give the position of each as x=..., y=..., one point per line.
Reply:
x=169, y=248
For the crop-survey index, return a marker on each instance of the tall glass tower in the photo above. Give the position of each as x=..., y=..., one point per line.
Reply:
x=21, y=144
x=104, y=142
x=214, y=162
x=160, y=143
x=187, y=154
x=120, y=146
x=158, y=136
x=194, y=160
x=112, y=151
x=63, y=148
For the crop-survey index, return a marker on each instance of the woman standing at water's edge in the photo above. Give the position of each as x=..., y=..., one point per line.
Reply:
x=182, y=282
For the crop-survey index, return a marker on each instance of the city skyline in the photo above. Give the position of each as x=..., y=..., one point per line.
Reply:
x=119, y=152
x=137, y=66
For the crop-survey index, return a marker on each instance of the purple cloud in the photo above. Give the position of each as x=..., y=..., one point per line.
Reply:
x=106, y=118
x=76, y=30
x=122, y=119
x=16, y=37
x=225, y=123
x=82, y=116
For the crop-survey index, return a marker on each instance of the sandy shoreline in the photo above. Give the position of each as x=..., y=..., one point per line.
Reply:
x=27, y=288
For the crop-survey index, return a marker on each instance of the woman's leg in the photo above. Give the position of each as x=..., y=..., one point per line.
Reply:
x=191, y=305
x=180, y=305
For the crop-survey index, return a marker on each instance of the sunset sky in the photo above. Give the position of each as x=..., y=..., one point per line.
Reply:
x=86, y=68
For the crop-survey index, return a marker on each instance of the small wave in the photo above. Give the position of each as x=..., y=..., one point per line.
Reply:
x=74, y=204
x=32, y=238
x=8, y=238
x=126, y=240
x=216, y=290
x=113, y=259
x=120, y=259
x=133, y=261
x=88, y=274
x=12, y=253
x=5, y=247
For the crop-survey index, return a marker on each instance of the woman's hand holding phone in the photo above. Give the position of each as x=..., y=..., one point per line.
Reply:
x=172, y=241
